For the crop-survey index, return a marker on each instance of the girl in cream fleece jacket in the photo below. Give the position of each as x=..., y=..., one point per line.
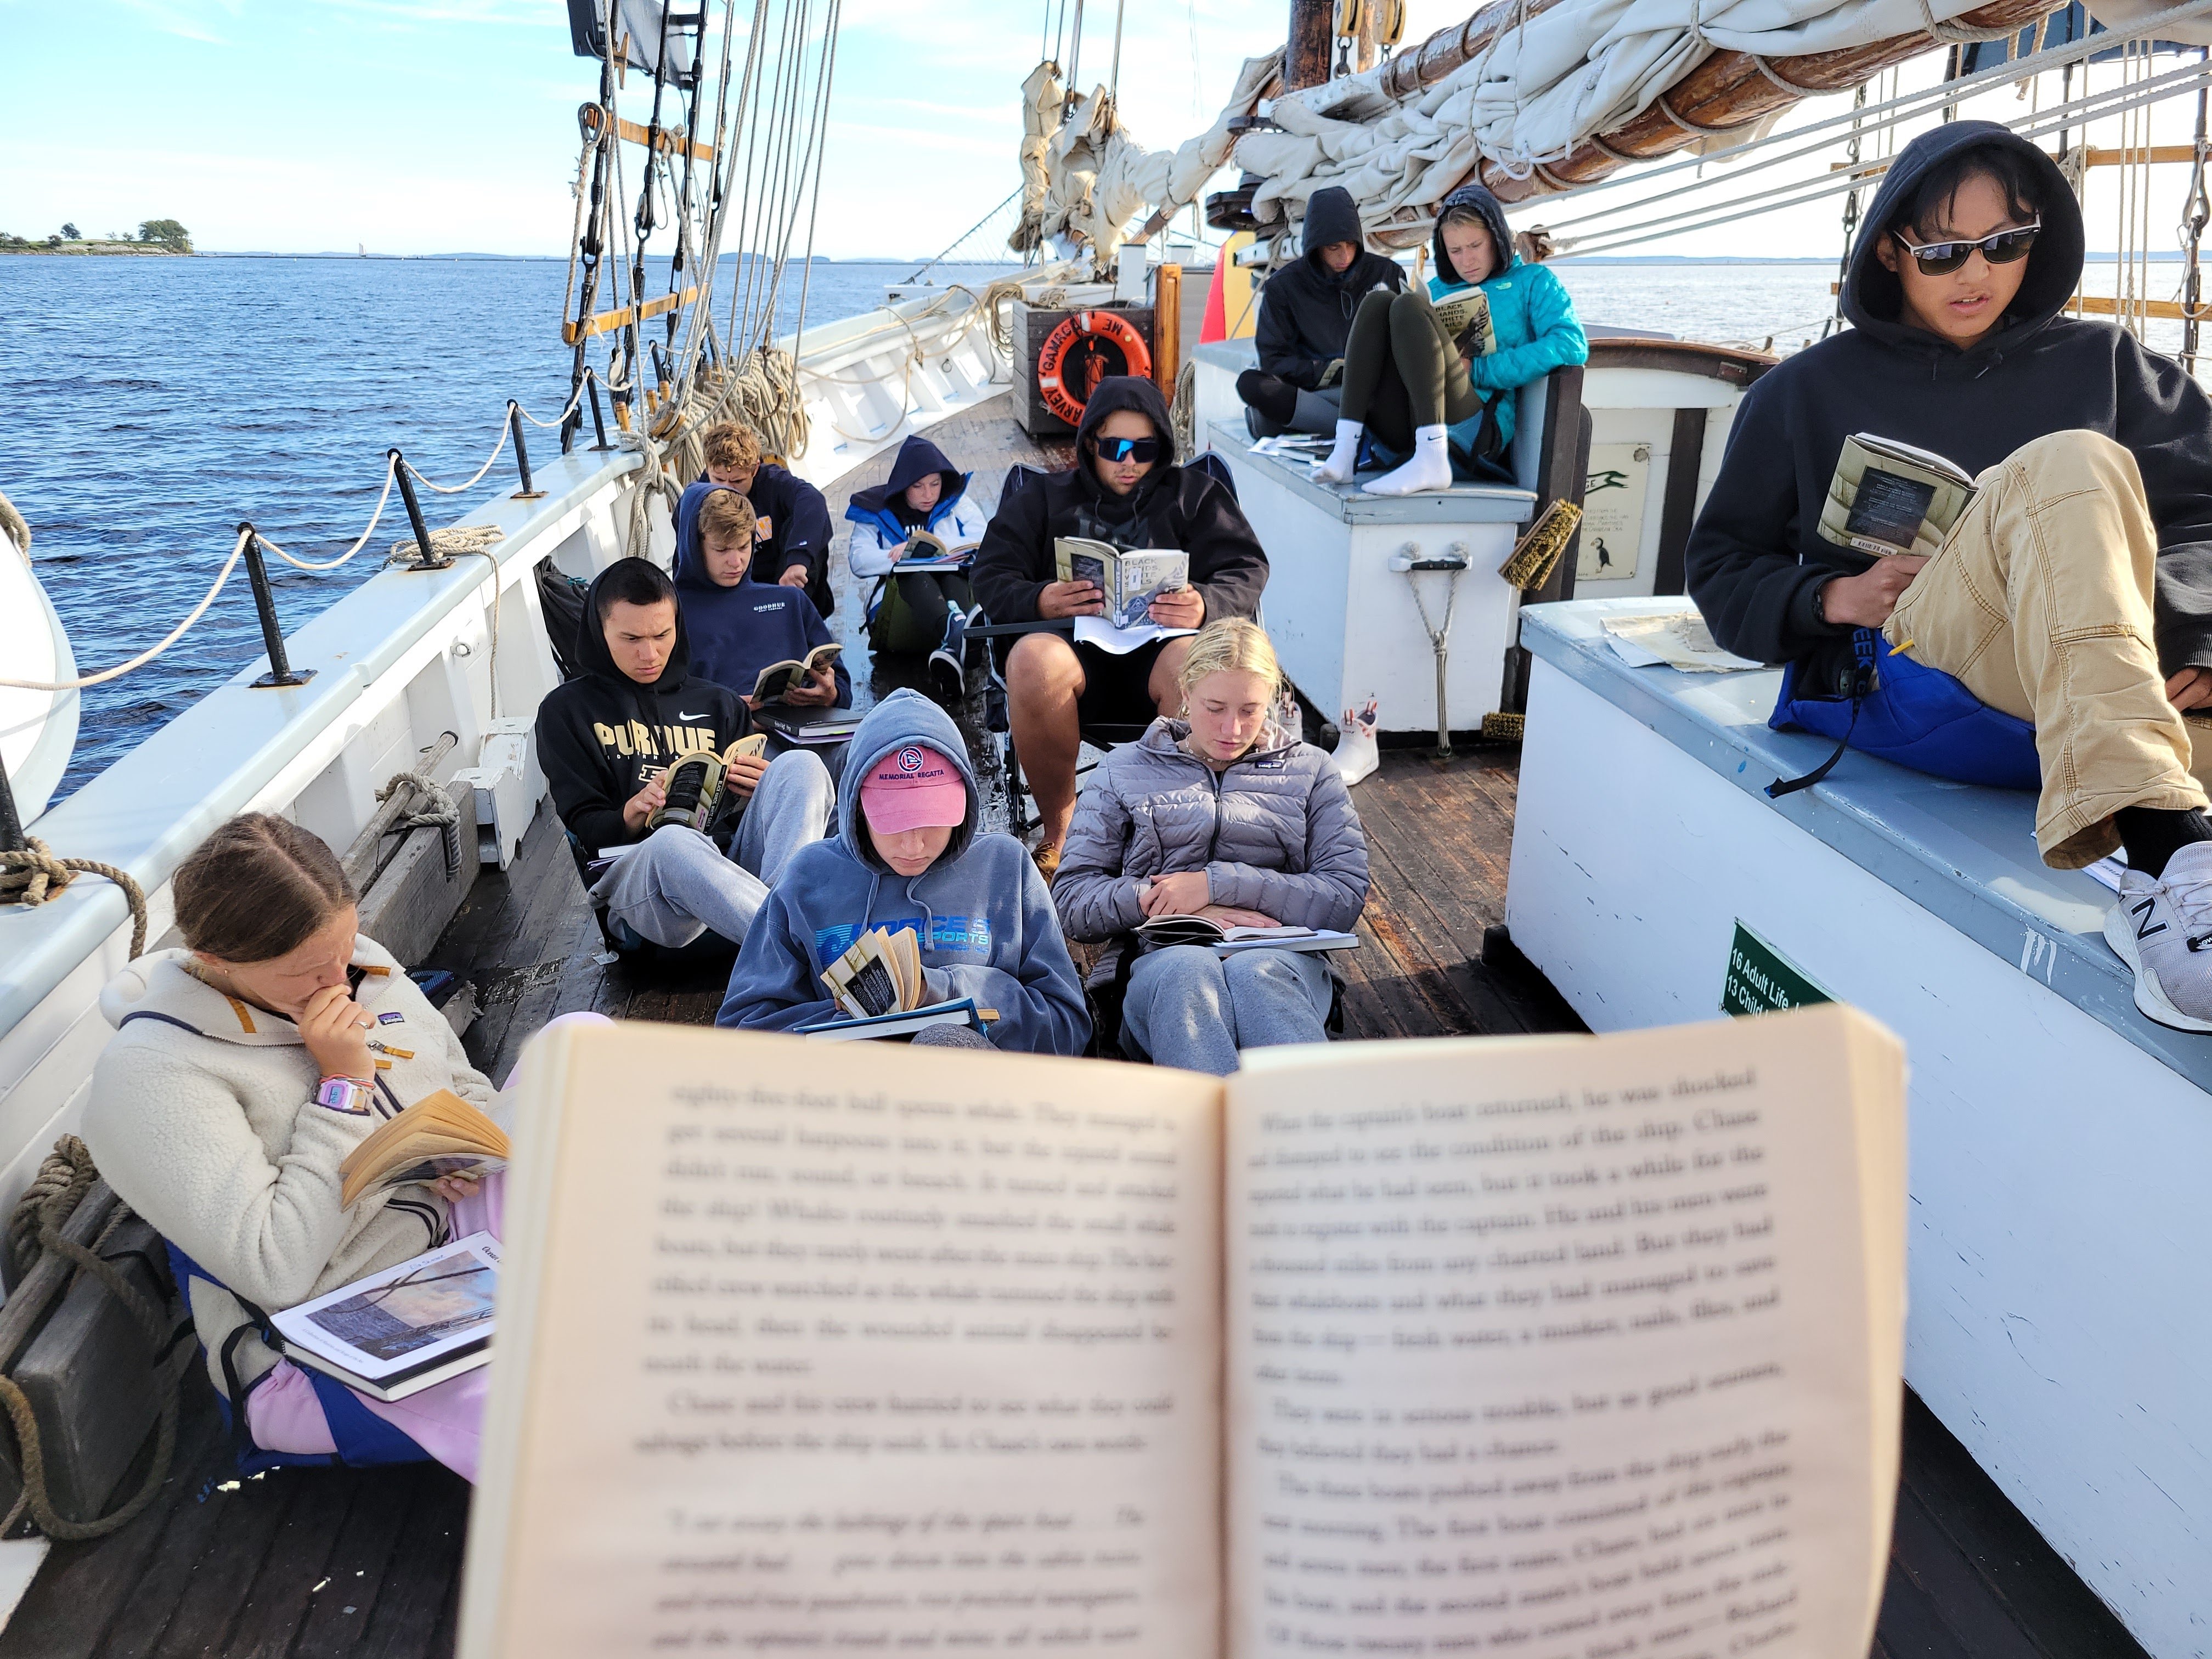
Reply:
x=204, y=1115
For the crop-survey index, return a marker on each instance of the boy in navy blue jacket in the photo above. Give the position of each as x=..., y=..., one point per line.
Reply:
x=739, y=625
x=907, y=853
x=794, y=551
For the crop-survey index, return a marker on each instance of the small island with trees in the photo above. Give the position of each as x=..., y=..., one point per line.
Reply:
x=155, y=236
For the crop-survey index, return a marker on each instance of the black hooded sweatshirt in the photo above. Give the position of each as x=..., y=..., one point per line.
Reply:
x=598, y=734
x=1756, y=559
x=1172, y=505
x=1306, y=309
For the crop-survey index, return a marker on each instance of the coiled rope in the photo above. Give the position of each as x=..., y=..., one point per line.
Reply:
x=32, y=876
x=66, y=1180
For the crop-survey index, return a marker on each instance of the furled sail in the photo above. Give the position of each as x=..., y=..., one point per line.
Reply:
x=1531, y=96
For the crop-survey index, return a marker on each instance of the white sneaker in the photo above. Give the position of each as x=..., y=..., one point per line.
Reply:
x=2163, y=930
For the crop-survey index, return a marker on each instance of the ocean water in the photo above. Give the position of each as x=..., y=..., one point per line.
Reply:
x=156, y=402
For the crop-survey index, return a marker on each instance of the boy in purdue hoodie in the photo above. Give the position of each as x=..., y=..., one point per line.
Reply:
x=637, y=705
x=2075, y=593
x=908, y=853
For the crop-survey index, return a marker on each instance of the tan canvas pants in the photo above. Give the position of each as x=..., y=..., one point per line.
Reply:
x=2039, y=603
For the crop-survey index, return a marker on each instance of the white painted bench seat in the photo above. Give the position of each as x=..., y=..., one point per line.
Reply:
x=2060, y=1237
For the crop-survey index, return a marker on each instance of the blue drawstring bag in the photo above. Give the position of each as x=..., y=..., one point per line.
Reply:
x=1901, y=710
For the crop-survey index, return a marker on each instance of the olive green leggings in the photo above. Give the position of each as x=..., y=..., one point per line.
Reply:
x=1400, y=373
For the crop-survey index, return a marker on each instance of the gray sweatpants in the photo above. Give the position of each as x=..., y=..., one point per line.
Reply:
x=677, y=884
x=1189, y=1007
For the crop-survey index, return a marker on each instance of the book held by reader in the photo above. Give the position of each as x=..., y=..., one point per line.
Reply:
x=878, y=982
x=1547, y=1346
x=1467, y=325
x=928, y=551
x=395, y=1332
x=1888, y=497
x=439, y=1135
x=775, y=681
x=1228, y=940
x=1129, y=579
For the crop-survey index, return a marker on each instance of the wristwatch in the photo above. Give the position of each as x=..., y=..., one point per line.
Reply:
x=344, y=1094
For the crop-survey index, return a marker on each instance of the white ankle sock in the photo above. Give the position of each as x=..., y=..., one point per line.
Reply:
x=1429, y=468
x=1337, y=469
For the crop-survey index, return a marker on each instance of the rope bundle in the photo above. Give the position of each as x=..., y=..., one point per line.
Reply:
x=64, y=1180
x=34, y=875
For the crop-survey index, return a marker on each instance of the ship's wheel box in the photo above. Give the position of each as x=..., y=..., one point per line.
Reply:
x=1085, y=361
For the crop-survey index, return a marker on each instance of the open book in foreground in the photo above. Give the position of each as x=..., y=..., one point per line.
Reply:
x=1556, y=1347
x=395, y=1332
x=1227, y=941
x=774, y=681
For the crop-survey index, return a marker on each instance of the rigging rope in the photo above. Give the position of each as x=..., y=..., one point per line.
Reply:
x=237, y=552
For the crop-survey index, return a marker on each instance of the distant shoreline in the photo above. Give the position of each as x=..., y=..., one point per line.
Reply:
x=99, y=251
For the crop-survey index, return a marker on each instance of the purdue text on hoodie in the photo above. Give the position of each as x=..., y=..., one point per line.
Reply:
x=981, y=913
x=598, y=734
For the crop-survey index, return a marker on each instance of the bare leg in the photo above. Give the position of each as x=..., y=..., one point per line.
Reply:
x=1043, y=679
x=1164, y=683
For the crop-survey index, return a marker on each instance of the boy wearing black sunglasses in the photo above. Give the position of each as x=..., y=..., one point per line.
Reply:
x=1125, y=489
x=2075, y=594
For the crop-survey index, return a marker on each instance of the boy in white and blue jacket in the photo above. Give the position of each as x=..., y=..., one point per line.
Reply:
x=1425, y=409
x=927, y=610
x=976, y=903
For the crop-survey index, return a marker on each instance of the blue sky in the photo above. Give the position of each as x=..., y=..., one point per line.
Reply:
x=418, y=126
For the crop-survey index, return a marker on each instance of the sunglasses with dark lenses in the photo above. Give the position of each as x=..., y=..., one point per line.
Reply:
x=1143, y=451
x=2000, y=248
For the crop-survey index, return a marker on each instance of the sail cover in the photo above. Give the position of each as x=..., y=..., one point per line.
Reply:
x=641, y=27
x=1549, y=78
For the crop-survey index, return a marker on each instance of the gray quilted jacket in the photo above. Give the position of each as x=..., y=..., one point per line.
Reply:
x=1274, y=833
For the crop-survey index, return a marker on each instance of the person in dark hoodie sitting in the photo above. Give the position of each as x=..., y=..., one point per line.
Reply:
x=910, y=852
x=636, y=706
x=1126, y=489
x=2073, y=596
x=736, y=624
x=795, y=550
x=1305, y=317
x=927, y=610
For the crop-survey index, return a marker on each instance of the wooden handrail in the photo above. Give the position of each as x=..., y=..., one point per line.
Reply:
x=606, y=321
x=2172, y=310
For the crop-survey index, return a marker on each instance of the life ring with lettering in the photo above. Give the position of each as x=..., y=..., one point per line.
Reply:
x=1086, y=348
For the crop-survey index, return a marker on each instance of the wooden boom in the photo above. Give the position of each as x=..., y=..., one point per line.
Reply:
x=1731, y=90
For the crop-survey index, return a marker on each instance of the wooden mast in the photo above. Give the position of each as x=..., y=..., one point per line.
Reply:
x=1305, y=50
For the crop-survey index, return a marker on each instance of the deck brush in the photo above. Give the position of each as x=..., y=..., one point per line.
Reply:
x=1537, y=554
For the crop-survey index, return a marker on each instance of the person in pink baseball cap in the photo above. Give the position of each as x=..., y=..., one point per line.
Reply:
x=909, y=854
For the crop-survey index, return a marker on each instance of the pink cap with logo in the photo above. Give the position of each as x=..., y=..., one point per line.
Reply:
x=914, y=788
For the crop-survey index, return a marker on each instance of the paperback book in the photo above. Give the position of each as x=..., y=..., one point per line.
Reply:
x=928, y=551
x=1128, y=579
x=1467, y=325
x=1558, y=1346
x=1888, y=497
x=776, y=681
x=439, y=1135
x=395, y=1332
x=1161, y=931
x=878, y=982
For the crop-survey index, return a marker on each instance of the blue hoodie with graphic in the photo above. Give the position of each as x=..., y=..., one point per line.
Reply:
x=981, y=914
x=736, y=631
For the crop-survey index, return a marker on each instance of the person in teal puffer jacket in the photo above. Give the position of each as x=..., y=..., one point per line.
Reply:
x=1435, y=411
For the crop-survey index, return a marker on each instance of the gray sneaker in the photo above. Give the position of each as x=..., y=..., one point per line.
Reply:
x=2163, y=930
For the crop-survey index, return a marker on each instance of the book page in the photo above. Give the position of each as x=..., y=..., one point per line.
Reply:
x=851, y=1348
x=1567, y=1348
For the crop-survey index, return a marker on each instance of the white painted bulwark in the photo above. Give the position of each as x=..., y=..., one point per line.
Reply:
x=2059, y=1143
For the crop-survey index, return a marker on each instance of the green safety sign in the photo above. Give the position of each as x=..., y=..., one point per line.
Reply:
x=1761, y=980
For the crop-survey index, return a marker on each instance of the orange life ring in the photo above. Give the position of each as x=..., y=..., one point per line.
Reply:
x=1074, y=359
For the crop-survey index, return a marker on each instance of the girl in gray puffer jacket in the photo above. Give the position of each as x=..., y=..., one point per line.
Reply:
x=1221, y=814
